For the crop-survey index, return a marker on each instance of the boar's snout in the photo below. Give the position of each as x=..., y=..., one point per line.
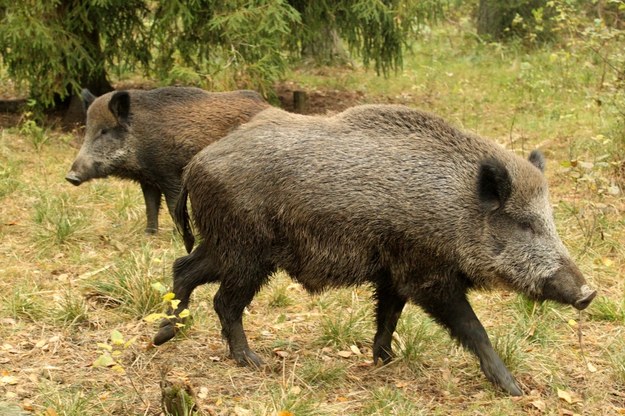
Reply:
x=73, y=178
x=568, y=286
x=588, y=295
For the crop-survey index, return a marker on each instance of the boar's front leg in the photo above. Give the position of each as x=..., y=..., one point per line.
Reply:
x=452, y=310
x=389, y=307
x=152, y=197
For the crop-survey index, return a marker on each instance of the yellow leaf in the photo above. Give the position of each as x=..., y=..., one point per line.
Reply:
x=168, y=296
x=153, y=317
x=105, y=347
x=607, y=262
x=104, y=360
x=159, y=287
x=184, y=313
x=8, y=380
x=130, y=342
x=572, y=323
x=117, y=338
x=175, y=303
x=565, y=395
x=118, y=369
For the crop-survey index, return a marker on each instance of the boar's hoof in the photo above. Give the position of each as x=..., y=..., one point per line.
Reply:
x=166, y=332
x=587, y=296
x=383, y=354
x=247, y=357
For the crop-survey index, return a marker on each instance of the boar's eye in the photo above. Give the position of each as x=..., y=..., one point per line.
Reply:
x=526, y=226
x=104, y=131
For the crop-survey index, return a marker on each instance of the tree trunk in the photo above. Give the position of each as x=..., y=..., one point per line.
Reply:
x=490, y=19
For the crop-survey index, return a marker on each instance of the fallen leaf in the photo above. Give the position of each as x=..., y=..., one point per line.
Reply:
x=281, y=353
x=203, y=393
x=285, y=413
x=51, y=412
x=295, y=390
x=104, y=360
x=6, y=379
x=239, y=411
x=591, y=367
x=565, y=395
x=355, y=350
x=540, y=405
x=117, y=338
x=344, y=354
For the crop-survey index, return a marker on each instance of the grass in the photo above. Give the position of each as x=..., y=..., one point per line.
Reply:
x=77, y=265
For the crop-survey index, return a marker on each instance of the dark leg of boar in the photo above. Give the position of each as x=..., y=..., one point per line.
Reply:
x=453, y=311
x=188, y=272
x=152, y=197
x=389, y=307
x=230, y=300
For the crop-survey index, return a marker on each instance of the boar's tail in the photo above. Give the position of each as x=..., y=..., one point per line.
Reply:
x=181, y=218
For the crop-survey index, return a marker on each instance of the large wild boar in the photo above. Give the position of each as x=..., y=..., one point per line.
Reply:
x=149, y=136
x=378, y=194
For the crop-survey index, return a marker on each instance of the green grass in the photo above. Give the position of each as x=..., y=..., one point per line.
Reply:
x=127, y=285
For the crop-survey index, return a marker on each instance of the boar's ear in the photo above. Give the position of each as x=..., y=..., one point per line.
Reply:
x=493, y=184
x=537, y=159
x=120, y=106
x=87, y=98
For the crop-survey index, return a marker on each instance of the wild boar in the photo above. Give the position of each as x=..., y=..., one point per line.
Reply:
x=379, y=194
x=149, y=136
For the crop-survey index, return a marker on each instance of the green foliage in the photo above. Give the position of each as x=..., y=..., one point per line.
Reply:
x=60, y=46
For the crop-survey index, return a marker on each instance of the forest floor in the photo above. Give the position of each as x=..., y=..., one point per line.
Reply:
x=79, y=276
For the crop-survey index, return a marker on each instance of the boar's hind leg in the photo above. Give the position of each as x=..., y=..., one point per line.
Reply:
x=453, y=311
x=389, y=307
x=152, y=197
x=229, y=302
x=190, y=271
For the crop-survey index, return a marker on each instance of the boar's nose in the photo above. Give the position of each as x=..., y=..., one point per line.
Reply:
x=588, y=295
x=73, y=179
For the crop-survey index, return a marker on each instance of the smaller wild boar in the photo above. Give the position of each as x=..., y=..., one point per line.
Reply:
x=383, y=195
x=149, y=136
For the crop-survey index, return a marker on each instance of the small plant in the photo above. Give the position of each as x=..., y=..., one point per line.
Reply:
x=413, y=339
x=29, y=127
x=345, y=327
x=58, y=222
x=617, y=361
x=279, y=297
x=508, y=347
x=110, y=352
x=23, y=303
x=129, y=285
x=72, y=309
